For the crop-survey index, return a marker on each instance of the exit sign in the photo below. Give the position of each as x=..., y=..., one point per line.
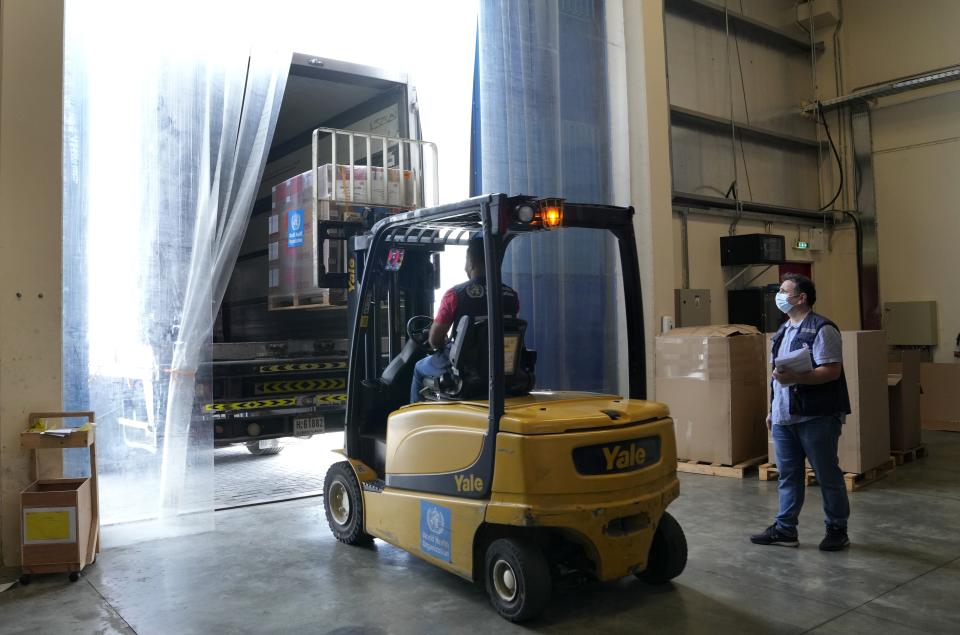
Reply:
x=802, y=244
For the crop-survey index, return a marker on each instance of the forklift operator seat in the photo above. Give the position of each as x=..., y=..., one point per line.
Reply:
x=467, y=377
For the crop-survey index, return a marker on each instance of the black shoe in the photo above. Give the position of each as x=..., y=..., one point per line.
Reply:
x=773, y=536
x=835, y=540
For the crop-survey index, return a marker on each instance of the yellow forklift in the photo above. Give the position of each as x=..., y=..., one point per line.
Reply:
x=487, y=476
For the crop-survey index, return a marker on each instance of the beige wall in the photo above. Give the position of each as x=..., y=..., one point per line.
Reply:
x=886, y=39
x=916, y=145
x=31, y=80
x=833, y=269
x=917, y=166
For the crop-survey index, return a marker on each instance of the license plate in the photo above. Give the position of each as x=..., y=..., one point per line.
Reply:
x=305, y=426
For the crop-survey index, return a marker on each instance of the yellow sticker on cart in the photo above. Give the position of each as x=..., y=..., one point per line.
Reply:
x=306, y=385
x=46, y=525
x=292, y=368
x=286, y=402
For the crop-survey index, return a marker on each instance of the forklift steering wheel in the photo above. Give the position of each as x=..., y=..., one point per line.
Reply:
x=418, y=329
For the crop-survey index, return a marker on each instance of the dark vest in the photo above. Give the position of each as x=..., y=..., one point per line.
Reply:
x=821, y=400
x=472, y=301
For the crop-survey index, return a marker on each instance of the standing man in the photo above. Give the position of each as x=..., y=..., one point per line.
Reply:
x=468, y=298
x=807, y=412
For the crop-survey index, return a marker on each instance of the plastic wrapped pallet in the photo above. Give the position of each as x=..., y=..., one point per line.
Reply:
x=712, y=378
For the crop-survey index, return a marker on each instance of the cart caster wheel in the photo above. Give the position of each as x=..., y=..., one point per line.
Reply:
x=25, y=579
x=74, y=576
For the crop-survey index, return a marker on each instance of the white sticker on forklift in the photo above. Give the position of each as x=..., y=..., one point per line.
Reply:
x=435, y=530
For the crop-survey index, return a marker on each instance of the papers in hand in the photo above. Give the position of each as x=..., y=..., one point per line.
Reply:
x=798, y=361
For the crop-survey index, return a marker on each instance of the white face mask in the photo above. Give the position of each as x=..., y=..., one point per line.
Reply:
x=783, y=302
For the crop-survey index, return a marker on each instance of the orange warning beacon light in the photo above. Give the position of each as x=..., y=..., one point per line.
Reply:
x=551, y=212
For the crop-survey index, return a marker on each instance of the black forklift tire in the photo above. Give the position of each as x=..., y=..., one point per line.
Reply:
x=74, y=576
x=518, y=578
x=25, y=579
x=343, y=504
x=668, y=552
x=253, y=447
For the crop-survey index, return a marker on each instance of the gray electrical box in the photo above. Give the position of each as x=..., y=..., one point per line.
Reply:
x=692, y=307
x=911, y=323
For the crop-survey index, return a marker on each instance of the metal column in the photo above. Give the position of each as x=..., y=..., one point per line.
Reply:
x=867, y=205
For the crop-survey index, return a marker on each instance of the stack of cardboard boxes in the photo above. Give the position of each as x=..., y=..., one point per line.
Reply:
x=903, y=385
x=940, y=401
x=716, y=382
x=712, y=378
x=296, y=253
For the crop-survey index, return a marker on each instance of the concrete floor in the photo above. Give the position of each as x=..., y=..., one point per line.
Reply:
x=276, y=569
x=241, y=478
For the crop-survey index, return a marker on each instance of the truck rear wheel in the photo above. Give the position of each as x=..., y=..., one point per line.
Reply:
x=668, y=552
x=267, y=447
x=343, y=504
x=518, y=578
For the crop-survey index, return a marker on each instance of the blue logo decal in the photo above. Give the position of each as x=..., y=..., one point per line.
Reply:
x=435, y=530
x=295, y=228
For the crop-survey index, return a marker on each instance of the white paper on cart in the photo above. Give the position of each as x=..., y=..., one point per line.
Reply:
x=798, y=361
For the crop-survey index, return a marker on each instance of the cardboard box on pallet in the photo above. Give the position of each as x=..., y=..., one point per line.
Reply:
x=865, y=439
x=940, y=401
x=903, y=391
x=712, y=378
x=335, y=184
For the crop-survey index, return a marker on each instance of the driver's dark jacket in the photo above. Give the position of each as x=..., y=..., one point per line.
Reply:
x=470, y=298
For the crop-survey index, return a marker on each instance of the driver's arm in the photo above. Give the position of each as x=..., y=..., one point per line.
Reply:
x=438, y=334
x=443, y=320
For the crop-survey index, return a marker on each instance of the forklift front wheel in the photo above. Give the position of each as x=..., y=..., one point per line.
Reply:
x=518, y=578
x=343, y=503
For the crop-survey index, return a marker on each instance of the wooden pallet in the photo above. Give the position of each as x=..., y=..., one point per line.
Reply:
x=718, y=469
x=301, y=301
x=853, y=481
x=906, y=456
x=768, y=472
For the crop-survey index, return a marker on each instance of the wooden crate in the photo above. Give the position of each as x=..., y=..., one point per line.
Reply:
x=739, y=470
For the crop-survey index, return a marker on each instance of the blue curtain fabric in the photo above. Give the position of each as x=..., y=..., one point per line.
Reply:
x=542, y=127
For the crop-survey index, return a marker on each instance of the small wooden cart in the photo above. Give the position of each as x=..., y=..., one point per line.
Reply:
x=60, y=517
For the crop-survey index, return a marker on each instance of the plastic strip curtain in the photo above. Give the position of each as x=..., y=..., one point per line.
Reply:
x=165, y=139
x=542, y=128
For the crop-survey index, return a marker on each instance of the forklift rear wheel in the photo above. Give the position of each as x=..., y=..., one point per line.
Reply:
x=74, y=576
x=343, y=503
x=668, y=553
x=267, y=447
x=518, y=578
x=25, y=579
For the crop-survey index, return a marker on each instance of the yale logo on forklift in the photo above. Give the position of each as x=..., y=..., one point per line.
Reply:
x=468, y=483
x=619, y=457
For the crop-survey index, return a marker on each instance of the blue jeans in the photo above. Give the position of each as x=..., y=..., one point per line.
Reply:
x=430, y=366
x=817, y=440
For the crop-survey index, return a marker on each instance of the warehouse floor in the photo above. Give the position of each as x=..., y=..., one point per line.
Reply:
x=275, y=568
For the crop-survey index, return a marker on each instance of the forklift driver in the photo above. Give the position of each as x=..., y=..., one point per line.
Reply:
x=468, y=298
